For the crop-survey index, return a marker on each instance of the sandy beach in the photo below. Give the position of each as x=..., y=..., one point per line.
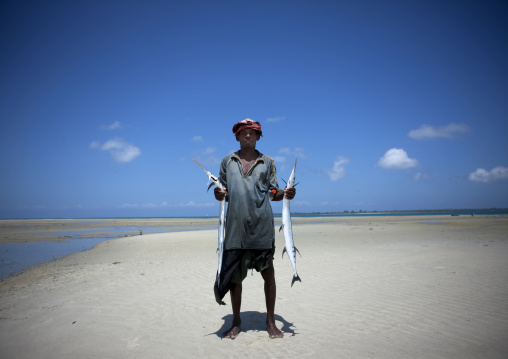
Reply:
x=372, y=287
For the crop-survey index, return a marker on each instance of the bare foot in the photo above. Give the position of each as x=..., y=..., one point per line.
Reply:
x=273, y=331
x=234, y=331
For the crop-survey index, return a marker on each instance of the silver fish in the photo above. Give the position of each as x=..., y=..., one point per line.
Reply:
x=288, y=230
x=214, y=180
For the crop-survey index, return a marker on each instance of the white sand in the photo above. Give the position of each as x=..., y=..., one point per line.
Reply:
x=372, y=287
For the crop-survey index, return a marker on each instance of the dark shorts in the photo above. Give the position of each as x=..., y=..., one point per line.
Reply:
x=235, y=265
x=252, y=259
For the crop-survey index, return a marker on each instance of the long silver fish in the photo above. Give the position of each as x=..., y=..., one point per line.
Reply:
x=214, y=180
x=288, y=230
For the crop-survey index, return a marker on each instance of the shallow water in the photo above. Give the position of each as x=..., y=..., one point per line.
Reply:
x=16, y=257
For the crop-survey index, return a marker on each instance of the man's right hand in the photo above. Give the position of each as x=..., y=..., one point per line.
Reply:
x=220, y=194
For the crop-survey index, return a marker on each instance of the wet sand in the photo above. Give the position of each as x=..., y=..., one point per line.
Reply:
x=34, y=230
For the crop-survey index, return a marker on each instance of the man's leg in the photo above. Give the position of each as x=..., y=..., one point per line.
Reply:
x=270, y=294
x=236, y=303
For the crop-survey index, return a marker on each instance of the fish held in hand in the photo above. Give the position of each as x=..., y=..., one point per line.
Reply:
x=289, y=248
x=214, y=180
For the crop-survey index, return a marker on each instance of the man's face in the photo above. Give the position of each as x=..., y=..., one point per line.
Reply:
x=247, y=138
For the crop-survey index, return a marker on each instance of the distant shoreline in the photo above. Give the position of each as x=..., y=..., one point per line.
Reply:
x=437, y=212
x=416, y=212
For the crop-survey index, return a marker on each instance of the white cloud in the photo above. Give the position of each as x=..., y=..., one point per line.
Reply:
x=194, y=204
x=302, y=203
x=207, y=156
x=420, y=176
x=397, y=158
x=481, y=175
x=450, y=131
x=120, y=150
x=168, y=205
x=209, y=151
x=338, y=171
x=297, y=152
x=95, y=144
x=197, y=138
x=114, y=125
x=275, y=119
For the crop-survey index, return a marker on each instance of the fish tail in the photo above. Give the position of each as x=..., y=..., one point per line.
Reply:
x=296, y=277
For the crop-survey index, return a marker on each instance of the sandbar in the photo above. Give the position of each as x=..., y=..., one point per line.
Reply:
x=372, y=287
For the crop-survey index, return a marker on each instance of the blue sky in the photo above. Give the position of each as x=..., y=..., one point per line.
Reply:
x=386, y=104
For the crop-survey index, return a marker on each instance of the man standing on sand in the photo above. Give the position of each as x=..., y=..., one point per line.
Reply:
x=250, y=182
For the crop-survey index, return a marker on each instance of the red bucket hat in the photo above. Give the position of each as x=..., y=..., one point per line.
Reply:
x=245, y=124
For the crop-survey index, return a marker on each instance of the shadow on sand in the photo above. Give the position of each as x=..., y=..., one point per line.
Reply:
x=254, y=321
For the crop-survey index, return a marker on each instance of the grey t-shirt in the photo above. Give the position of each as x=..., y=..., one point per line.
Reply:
x=249, y=222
